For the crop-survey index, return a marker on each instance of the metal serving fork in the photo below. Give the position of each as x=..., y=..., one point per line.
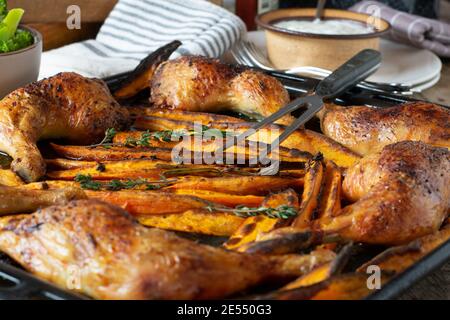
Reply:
x=246, y=52
x=346, y=76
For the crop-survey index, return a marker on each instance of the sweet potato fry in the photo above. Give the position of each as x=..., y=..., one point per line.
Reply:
x=63, y=164
x=242, y=185
x=197, y=221
x=398, y=259
x=324, y=271
x=304, y=140
x=146, y=203
x=311, y=194
x=330, y=200
x=198, y=145
x=229, y=200
x=113, y=153
x=118, y=153
x=9, y=178
x=174, y=114
x=351, y=286
x=254, y=226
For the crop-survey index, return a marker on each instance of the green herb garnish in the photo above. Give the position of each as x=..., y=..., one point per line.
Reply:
x=281, y=212
x=107, y=141
x=86, y=182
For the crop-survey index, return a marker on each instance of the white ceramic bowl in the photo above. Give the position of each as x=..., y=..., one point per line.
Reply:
x=20, y=67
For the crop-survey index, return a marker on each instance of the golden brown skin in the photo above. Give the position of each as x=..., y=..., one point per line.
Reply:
x=22, y=200
x=401, y=193
x=101, y=251
x=365, y=130
x=196, y=83
x=67, y=106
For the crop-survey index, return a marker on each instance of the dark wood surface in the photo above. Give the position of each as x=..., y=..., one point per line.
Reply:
x=435, y=286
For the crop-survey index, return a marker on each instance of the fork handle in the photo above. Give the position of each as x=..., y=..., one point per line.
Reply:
x=349, y=74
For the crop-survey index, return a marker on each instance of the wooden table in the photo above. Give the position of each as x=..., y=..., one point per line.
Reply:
x=437, y=285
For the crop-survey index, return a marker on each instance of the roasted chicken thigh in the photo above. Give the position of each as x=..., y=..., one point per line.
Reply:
x=365, y=130
x=65, y=106
x=99, y=250
x=399, y=194
x=195, y=83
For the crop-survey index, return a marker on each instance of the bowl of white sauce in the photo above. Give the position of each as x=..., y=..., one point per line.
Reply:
x=295, y=38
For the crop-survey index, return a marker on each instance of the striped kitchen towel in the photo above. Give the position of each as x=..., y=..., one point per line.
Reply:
x=421, y=32
x=136, y=28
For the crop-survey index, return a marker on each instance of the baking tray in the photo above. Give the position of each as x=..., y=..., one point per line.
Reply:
x=15, y=283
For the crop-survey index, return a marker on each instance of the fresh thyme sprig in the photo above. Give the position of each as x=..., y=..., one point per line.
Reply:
x=86, y=182
x=147, y=136
x=281, y=212
x=107, y=141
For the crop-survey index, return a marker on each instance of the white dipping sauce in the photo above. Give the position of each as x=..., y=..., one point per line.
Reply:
x=335, y=27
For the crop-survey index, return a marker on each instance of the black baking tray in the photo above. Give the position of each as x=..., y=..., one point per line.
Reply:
x=15, y=283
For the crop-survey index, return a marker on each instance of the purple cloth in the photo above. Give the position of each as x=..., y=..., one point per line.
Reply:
x=421, y=32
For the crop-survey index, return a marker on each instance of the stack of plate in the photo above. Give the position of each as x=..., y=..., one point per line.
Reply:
x=402, y=64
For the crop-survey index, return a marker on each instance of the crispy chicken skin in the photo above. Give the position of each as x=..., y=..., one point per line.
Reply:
x=196, y=83
x=365, y=130
x=401, y=193
x=102, y=250
x=22, y=200
x=67, y=106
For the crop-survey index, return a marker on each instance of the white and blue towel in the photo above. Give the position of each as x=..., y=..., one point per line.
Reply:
x=136, y=28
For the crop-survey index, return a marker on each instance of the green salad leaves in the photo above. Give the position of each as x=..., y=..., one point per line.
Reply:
x=11, y=38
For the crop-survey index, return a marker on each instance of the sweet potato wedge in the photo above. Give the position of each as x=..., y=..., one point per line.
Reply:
x=303, y=140
x=9, y=178
x=311, y=194
x=252, y=227
x=196, y=221
x=64, y=164
x=118, y=153
x=175, y=114
x=147, y=203
x=350, y=286
x=323, y=272
x=330, y=200
x=139, y=79
x=111, y=154
x=229, y=200
x=242, y=185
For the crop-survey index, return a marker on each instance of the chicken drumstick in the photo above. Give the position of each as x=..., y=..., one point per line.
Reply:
x=64, y=106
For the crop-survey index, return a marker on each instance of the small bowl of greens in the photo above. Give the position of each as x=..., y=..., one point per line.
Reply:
x=20, y=51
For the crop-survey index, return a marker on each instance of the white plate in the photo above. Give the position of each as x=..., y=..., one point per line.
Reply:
x=401, y=63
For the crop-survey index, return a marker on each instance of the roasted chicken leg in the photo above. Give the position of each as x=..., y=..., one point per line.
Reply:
x=22, y=200
x=200, y=84
x=401, y=193
x=64, y=106
x=365, y=130
x=99, y=250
